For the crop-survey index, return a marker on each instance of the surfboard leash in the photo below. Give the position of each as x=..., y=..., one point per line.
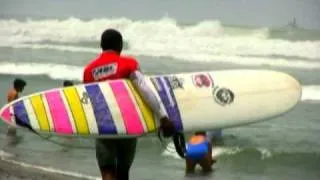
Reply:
x=180, y=144
x=178, y=141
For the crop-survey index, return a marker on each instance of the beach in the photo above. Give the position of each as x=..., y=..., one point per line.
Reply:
x=46, y=42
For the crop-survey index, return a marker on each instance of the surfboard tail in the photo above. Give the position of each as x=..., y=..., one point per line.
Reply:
x=6, y=115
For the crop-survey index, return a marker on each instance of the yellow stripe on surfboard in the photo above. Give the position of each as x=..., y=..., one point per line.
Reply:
x=40, y=112
x=145, y=110
x=77, y=111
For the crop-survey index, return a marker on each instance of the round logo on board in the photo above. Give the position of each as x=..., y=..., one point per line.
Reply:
x=223, y=96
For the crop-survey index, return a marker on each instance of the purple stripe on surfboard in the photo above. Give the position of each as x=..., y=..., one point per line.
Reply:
x=21, y=115
x=59, y=114
x=101, y=110
x=173, y=111
x=177, y=118
x=128, y=109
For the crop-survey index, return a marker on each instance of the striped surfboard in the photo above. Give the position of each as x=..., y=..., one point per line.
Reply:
x=193, y=101
x=107, y=108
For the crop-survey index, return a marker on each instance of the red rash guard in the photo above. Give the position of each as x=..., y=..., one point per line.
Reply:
x=108, y=66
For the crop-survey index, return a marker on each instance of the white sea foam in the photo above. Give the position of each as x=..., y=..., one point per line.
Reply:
x=205, y=41
x=62, y=72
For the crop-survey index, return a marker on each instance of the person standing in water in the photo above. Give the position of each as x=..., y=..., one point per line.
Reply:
x=216, y=137
x=67, y=83
x=199, y=151
x=115, y=156
x=13, y=94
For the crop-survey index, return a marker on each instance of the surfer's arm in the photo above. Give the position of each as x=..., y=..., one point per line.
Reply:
x=166, y=126
x=138, y=79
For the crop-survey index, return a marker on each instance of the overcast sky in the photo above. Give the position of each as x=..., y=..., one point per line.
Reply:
x=240, y=12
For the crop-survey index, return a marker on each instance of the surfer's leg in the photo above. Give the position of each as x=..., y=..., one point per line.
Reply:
x=126, y=151
x=11, y=136
x=12, y=131
x=105, y=154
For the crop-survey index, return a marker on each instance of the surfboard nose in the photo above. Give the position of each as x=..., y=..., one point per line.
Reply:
x=295, y=83
x=240, y=97
x=291, y=83
x=5, y=114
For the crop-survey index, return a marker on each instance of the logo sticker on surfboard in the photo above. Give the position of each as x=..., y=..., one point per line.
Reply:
x=85, y=98
x=202, y=80
x=175, y=82
x=223, y=96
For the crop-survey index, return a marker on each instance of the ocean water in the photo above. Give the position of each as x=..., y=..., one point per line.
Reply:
x=47, y=41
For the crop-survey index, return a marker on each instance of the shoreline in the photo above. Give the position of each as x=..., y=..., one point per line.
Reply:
x=12, y=171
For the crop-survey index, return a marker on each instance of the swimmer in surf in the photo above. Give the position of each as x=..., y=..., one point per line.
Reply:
x=199, y=151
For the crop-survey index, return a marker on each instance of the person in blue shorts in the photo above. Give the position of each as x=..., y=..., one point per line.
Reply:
x=199, y=151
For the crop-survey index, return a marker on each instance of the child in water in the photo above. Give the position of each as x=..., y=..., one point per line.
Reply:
x=13, y=94
x=68, y=140
x=67, y=83
x=199, y=151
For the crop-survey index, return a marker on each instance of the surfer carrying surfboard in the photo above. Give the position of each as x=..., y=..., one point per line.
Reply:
x=199, y=151
x=13, y=94
x=115, y=156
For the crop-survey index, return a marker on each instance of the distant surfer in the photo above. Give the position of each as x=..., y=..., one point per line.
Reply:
x=13, y=94
x=291, y=26
x=67, y=83
x=215, y=136
x=293, y=23
x=115, y=156
x=199, y=151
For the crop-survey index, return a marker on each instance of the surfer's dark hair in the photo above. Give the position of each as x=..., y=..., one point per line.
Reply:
x=67, y=83
x=111, y=39
x=19, y=83
x=200, y=133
